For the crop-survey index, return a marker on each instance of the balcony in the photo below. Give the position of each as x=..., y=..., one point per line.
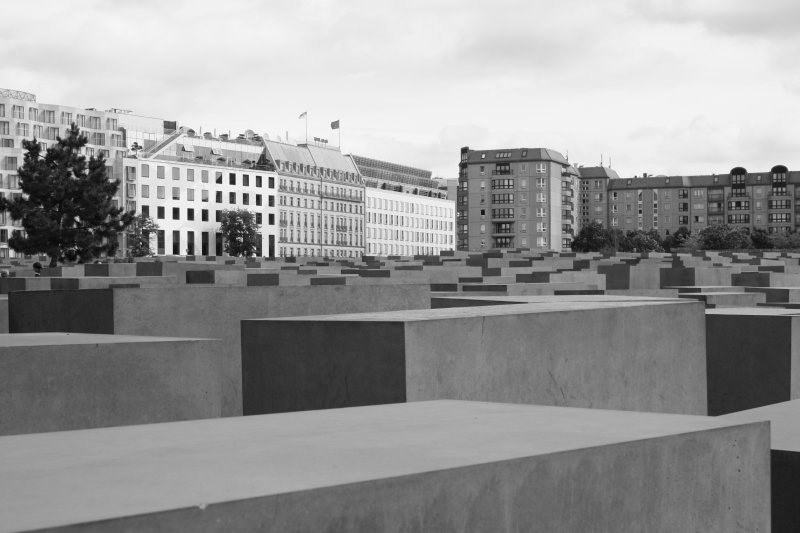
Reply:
x=502, y=172
x=738, y=195
x=715, y=211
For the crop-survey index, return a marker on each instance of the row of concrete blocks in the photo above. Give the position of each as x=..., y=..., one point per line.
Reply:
x=423, y=354
x=656, y=355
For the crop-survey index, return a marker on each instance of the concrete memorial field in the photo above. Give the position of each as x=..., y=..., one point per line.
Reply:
x=367, y=383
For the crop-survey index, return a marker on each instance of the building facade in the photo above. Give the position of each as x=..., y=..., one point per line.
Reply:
x=22, y=117
x=763, y=200
x=515, y=198
x=321, y=201
x=407, y=211
x=185, y=181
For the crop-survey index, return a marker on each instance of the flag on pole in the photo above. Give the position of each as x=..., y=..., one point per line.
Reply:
x=302, y=115
x=335, y=125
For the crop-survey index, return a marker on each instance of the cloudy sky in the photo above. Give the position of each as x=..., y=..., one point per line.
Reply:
x=657, y=86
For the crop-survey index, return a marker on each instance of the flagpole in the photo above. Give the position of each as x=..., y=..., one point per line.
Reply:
x=306, y=127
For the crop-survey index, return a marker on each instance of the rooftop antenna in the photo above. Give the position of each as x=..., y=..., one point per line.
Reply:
x=567, y=155
x=609, y=161
x=601, y=160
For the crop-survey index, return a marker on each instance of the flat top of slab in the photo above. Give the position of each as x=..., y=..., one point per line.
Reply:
x=8, y=340
x=70, y=477
x=565, y=298
x=754, y=311
x=519, y=308
x=785, y=423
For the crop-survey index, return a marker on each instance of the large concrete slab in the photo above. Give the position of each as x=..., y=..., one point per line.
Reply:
x=753, y=358
x=62, y=381
x=622, y=353
x=432, y=466
x=200, y=311
x=784, y=421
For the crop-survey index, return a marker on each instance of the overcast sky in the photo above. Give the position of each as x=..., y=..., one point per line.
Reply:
x=657, y=86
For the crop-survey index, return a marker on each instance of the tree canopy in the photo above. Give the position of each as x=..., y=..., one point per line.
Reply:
x=140, y=235
x=67, y=207
x=240, y=231
x=724, y=237
x=595, y=238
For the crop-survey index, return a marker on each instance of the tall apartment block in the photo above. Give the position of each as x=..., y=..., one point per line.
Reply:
x=407, y=211
x=515, y=198
x=764, y=200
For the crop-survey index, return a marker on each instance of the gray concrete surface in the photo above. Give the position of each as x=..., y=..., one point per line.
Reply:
x=432, y=466
x=201, y=311
x=619, y=353
x=753, y=358
x=63, y=381
x=784, y=419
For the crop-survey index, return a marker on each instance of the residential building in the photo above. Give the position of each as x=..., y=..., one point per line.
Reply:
x=515, y=198
x=765, y=200
x=407, y=211
x=321, y=201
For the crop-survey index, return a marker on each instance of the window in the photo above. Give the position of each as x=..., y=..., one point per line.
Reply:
x=218, y=178
x=698, y=206
x=246, y=180
x=160, y=212
x=502, y=198
x=271, y=219
x=780, y=217
x=779, y=204
x=145, y=191
x=160, y=192
x=258, y=199
x=160, y=172
x=190, y=195
x=23, y=129
x=190, y=214
x=259, y=220
x=176, y=173
x=738, y=219
x=176, y=193
x=204, y=195
x=541, y=183
x=271, y=200
x=231, y=197
x=683, y=193
x=204, y=176
x=540, y=197
x=176, y=213
x=245, y=198
x=683, y=220
x=541, y=168
x=204, y=215
x=232, y=178
x=145, y=171
x=258, y=181
x=218, y=197
x=7, y=143
x=697, y=193
x=541, y=212
x=4, y=128
x=699, y=218
x=271, y=182
x=541, y=226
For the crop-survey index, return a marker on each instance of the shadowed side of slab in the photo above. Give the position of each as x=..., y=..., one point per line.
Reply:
x=290, y=366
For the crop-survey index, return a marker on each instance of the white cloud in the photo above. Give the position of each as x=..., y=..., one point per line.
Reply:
x=664, y=87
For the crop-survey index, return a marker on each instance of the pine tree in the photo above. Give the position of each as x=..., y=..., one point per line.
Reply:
x=240, y=231
x=67, y=203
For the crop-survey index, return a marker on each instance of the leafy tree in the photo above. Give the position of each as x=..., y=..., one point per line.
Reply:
x=644, y=241
x=677, y=239
x=592, y=238
x=140, y=235
x=240, y=231
x=67, y=204
x=724, y=237
x=135, y=148
x=785, y=241
x=761, y=239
